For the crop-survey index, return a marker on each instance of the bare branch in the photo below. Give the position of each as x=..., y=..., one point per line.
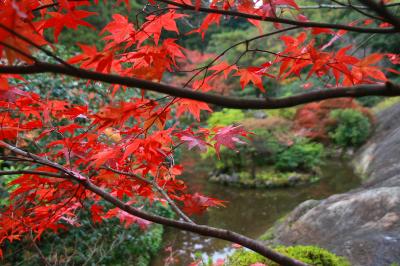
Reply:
x=48, y=53
x=282, y=20
x=40, y=253
x=385, y=89
x=381, y=10
x=159, y=189
x=198, y=229
x=331, y=6
x=186, y=226
x=32, y=172
x=18, y=51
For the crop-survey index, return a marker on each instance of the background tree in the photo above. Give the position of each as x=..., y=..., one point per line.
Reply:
x=113, y=152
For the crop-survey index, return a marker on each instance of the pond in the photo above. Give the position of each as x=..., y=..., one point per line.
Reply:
x=249, y=211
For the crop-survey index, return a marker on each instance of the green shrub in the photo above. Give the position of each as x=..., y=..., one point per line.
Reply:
x=287, y=113
x=302, y=155
x=106, y=243
x=265, y=147
x=225, y=117
x=261, y=150
x=270, y=178
x=370, y=101
x=268, y=174
x=308, y=254
x=5, y=189
x=351, y=127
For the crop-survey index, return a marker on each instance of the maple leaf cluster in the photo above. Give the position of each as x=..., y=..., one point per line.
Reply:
x=127, y=136
x=126, y=147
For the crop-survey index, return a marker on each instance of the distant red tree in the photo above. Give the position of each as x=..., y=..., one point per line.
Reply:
x=312, y=120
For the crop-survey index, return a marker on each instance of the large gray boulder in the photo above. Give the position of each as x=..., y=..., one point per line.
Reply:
x=363, y=224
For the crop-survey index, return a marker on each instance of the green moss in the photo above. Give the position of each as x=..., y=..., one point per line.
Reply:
x=270, y=233
x=245, y=258
x=388, y=102
x=313, y=255
x=309, y=254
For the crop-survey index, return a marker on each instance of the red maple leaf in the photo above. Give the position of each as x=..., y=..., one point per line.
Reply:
x=250, y=74
x=229, y=137
x=166, y=22
x=120, y=30
x=208, y=20
x=194, y=141
x=225, y=68
x=193, y=107
x=72, y=20
x=197, y=203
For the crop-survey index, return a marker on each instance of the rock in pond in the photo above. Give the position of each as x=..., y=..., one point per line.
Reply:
x=363, y=224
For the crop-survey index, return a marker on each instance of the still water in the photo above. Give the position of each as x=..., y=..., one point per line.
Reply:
x=249, y=211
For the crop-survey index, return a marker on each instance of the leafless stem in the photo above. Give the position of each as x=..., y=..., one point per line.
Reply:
x=233, y=13
x=154, y=184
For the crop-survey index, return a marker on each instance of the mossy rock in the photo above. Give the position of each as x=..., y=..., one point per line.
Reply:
x=270, y=233
x=309, y=254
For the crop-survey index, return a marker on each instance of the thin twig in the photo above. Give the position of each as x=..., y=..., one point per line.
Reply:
x=183, y=225
x=313, y=24
x=158, y=188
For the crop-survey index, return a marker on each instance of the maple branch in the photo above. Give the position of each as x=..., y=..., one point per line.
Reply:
x=195, y=228
x=159, y=189
x=382, y=11
x=23, y=38
x=32, y=172
x=40, y=253
x=53, y=5
x=35, y=158
x=245, y=42
x=14, y=158
x=18, y=51
x=359, y=10
x=186, y=226
x=384, y=89
x=338, y=6
x=306, y=24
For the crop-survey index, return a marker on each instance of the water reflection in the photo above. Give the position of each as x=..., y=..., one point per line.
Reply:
x=249, y=211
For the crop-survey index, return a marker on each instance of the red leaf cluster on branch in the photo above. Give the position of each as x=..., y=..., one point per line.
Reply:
x=122, y=151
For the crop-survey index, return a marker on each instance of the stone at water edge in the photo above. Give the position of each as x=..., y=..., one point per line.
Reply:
x=363, y=224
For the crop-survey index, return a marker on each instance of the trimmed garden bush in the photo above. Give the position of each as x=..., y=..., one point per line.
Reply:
x=303, y=155
x=351, y=128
